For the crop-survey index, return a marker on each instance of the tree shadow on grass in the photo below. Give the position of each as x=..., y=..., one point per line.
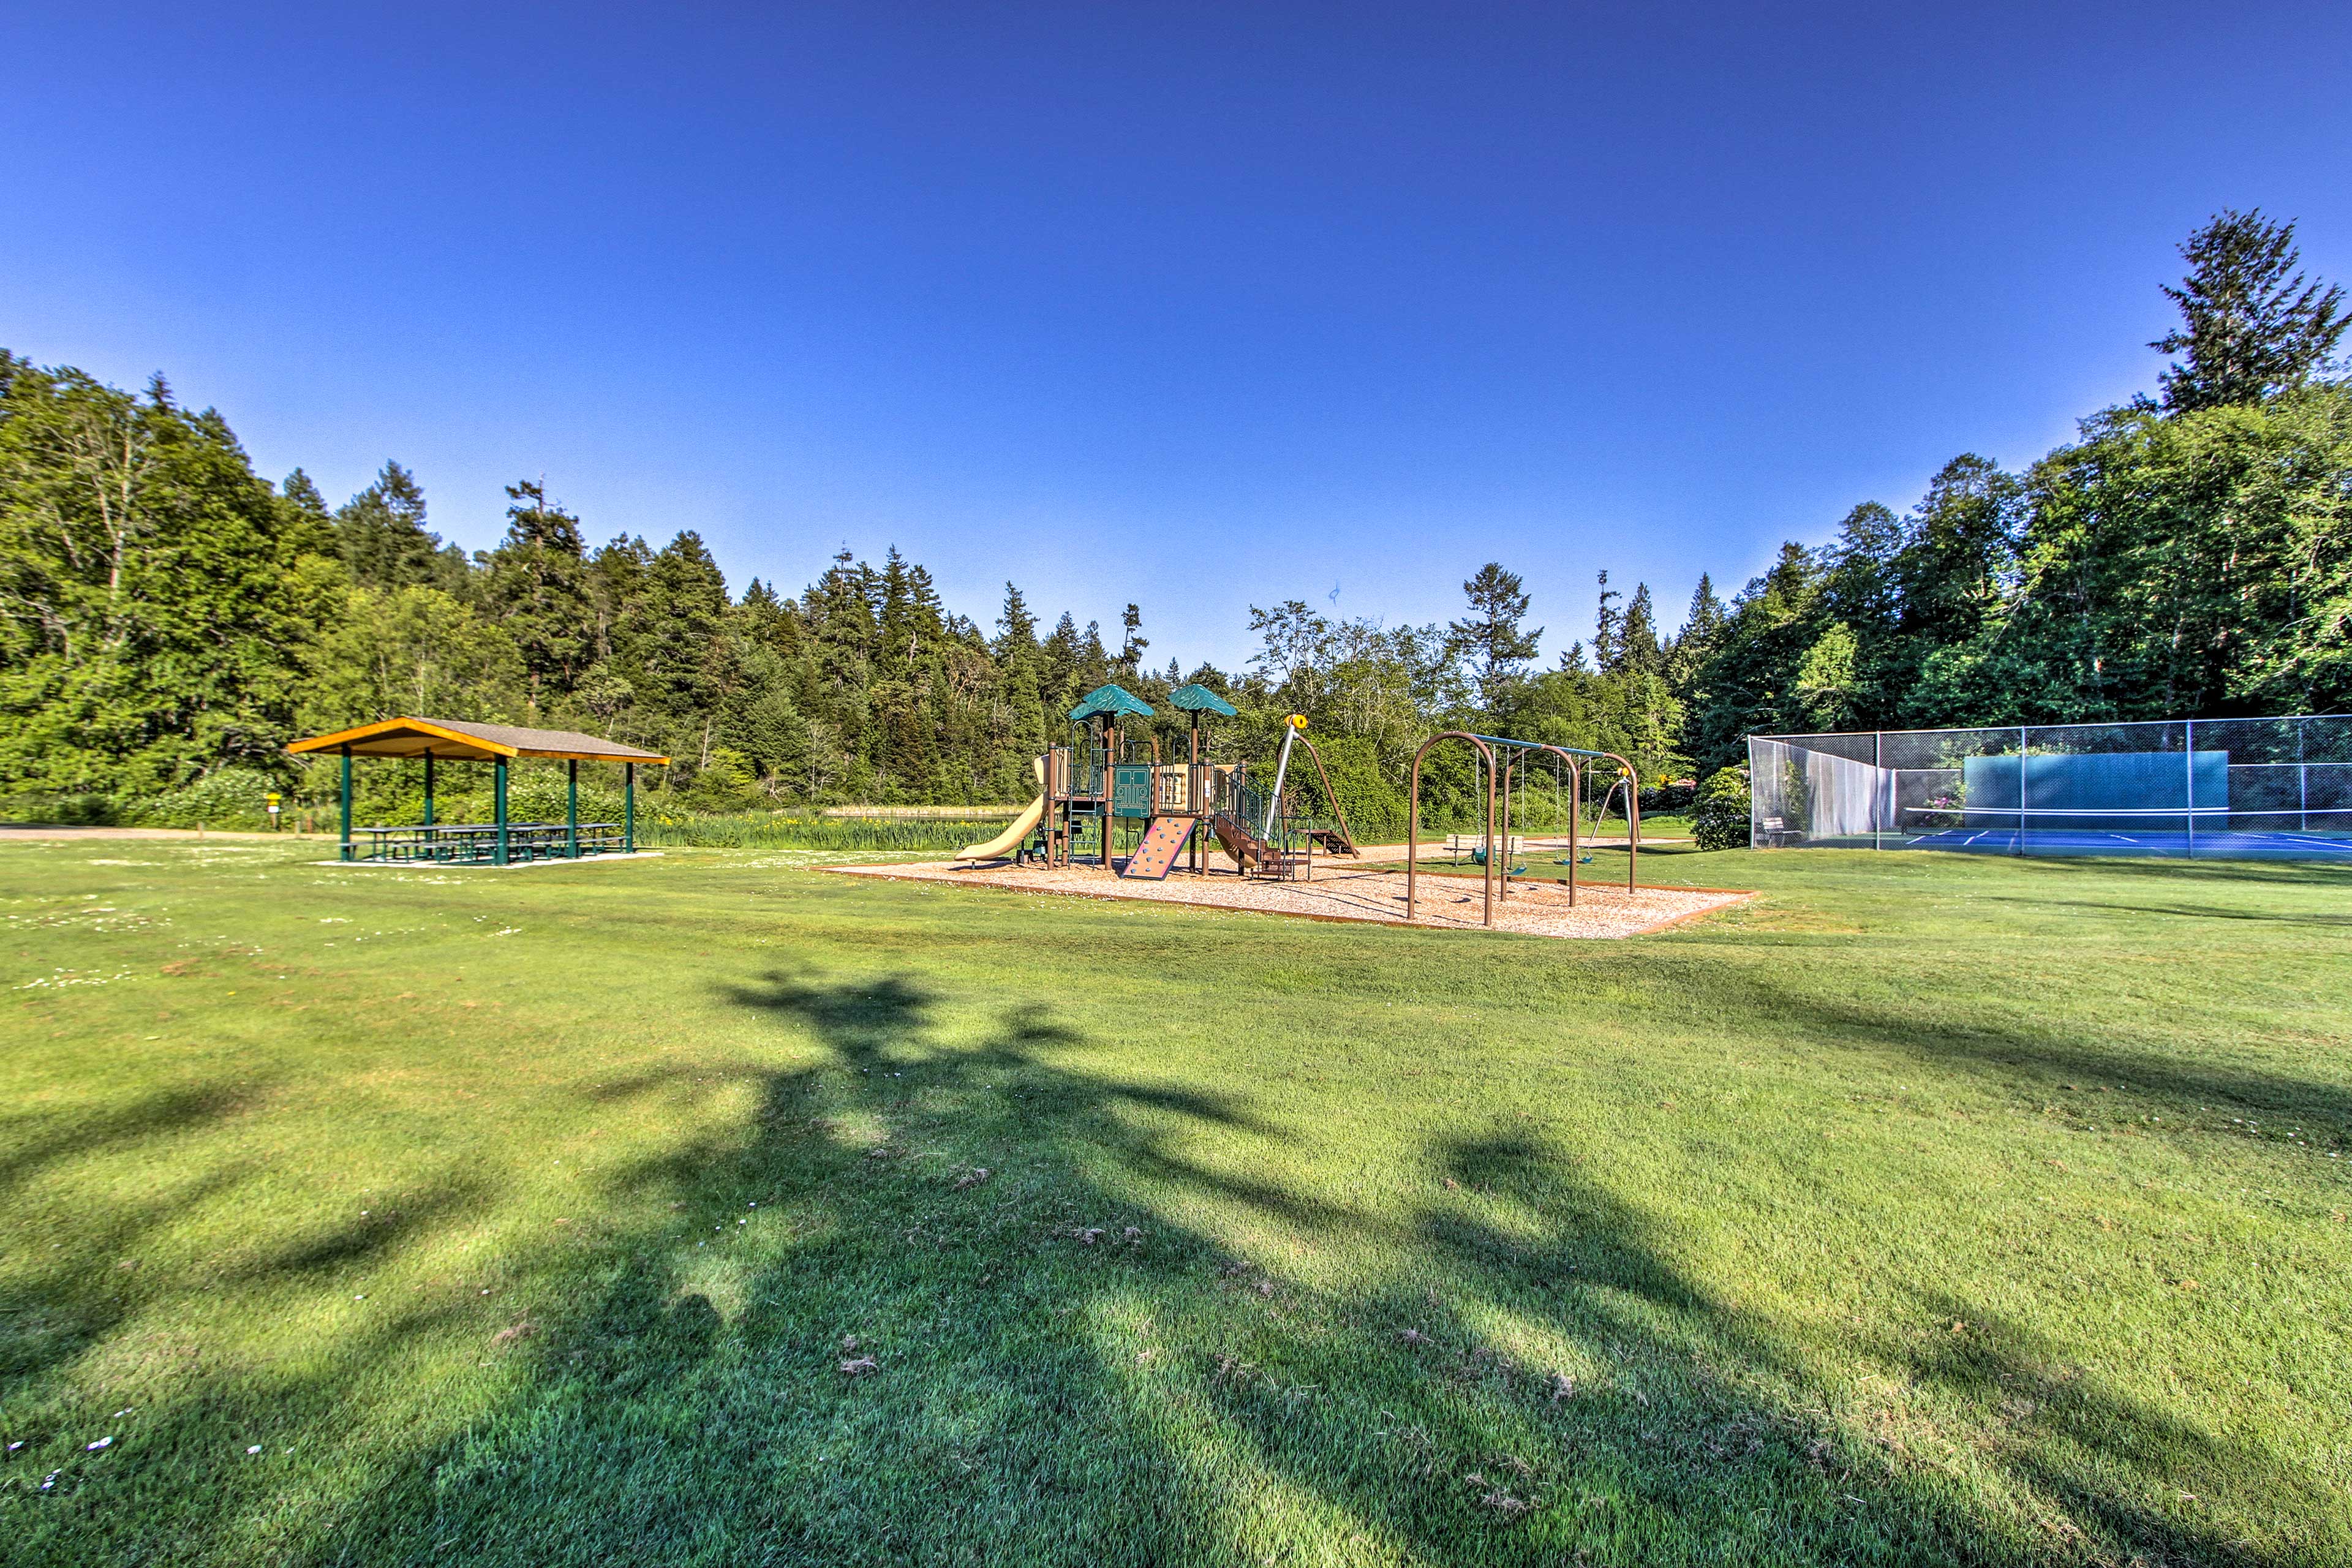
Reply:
x=54, y=1304
x=2035, y=1053
x=165, y=1113
x=2192, y=911
x=1064, y=1371
x=2084, y=1469
x=1010, y=1419
x=2332, y=875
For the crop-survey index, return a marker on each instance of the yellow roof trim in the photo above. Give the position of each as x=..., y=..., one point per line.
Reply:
x=342, y=738
x=410, y=737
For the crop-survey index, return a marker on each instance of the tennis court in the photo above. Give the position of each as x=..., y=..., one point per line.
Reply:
x=2234, y=789
x=2222, y=844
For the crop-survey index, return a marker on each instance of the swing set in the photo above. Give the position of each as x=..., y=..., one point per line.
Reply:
x=1524, y=753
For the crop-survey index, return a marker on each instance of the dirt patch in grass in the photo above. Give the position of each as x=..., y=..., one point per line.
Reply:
x=1449, y=904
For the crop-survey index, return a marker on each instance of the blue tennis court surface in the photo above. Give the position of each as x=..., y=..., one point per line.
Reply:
x=2220, y=845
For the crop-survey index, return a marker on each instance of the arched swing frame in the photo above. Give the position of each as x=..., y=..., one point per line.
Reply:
x=1486, y=745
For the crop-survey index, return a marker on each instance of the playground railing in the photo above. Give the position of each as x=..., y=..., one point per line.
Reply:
x=1241, y=803
x=1087, y=769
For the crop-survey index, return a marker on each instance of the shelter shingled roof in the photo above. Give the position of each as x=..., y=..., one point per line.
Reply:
x=1113, y=699
x=462, y=739
x=1199, y=699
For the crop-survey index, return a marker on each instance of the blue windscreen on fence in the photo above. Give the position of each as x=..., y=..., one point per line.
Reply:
x=2109, y=789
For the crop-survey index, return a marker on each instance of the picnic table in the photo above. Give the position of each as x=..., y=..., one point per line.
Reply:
x=467, y=843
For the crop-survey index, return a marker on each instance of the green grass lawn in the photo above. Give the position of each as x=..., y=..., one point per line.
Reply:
x=710, y=1210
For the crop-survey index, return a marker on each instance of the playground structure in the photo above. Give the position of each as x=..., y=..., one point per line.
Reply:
x=1497, y=883
x=1112, y=772
x=1109, y=772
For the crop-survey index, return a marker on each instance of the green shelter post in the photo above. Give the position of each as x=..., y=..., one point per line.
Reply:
x=428, y=786
x=347, y=803
x=629, y=808
x=500, y=856
x=571, y=796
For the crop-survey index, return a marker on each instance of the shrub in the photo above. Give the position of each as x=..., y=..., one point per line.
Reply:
x=66, y=810
x=232, y=797
x=724, y=785
x=806, y=830
x=1720, y=821
x=541, y=795
x=1667, y=799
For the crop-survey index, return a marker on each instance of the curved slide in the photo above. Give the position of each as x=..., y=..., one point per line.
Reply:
x=1003, y=843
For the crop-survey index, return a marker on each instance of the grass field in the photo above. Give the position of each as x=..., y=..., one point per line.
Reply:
x=709, y=1210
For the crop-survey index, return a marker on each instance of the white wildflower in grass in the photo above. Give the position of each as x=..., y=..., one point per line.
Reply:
x=94, y=1447
x=255, y=1449
x=59, y=979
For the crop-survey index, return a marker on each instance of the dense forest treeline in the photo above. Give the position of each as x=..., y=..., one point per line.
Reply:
x=169, y=619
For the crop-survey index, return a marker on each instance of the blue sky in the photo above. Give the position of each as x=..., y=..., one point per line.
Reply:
x=1197, y=307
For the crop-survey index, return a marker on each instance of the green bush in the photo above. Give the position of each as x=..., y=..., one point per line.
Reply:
x=791, y=830
x=68, y=810
x=724, y=785
x=232, y=797
x=541, y=795
x=1720, y=821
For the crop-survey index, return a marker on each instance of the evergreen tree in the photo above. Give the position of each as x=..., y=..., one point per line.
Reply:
x=767, y=621
x=1132, y=642
x=381, y=537
x=839, y=611
x=1607, y=629
x=1695, y=643
x=1952, y=576
x=683, y=665
x=1022, y=665
x=1059, y=669
x=1491, y=635
x=2252, y=327
x=1638, y=652
x=1094, y=666
x=1750, y=684
x=303, y=496
x=537, y=587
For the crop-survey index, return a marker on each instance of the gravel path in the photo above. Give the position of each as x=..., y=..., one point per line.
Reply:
x=1534, y=908
x=13, y=832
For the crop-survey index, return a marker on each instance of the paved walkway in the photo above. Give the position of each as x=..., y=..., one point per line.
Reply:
x=12, y=831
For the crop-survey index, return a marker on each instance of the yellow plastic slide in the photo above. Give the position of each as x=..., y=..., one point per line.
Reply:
x=1003, y=843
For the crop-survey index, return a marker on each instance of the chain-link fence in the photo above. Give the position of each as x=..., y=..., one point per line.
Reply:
x=2267, y=789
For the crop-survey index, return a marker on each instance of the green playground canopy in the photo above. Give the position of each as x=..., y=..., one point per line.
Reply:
x=1113, y=699
x=1200, y=699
